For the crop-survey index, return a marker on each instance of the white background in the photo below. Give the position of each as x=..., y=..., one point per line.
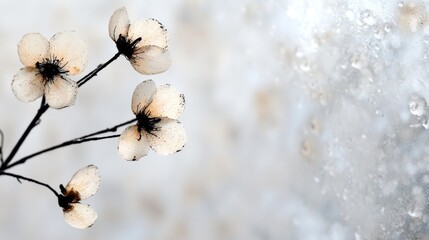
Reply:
x=297, y=115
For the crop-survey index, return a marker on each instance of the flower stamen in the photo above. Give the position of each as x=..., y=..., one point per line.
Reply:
x=126, y=47
x=50, y=68
x=147, y=123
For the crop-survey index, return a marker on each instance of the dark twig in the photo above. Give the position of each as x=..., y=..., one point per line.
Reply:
x=19, y=178
x=85, y=138
x=95, y=71
x=33, y=123
x=1, y=146
x=64, y=144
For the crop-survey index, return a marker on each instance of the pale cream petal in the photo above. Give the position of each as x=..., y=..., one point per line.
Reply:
x=60, y=92
x=170, y=137
x=167, y=102
x=119, y=24
x=27, y=85
x=151, y=60
x=33, y=48
x=80, y=216
x=132, y=144
x=85, y=181
x=142, y=96
x=71, y=50
x=150, y=31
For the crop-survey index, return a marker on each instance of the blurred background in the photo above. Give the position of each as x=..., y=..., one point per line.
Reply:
x=305, y=120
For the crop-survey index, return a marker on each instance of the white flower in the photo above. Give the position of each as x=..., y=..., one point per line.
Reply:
x=82, y=185
x=47, y=66
x=157, y=111
x=143, y=43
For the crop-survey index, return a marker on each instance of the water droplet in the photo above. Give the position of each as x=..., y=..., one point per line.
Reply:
x=315, y=126
x=316, y=179
x=415, y=213
x=417, y=105
x=425, y=123
x=400, y=4
x=368, y=18
x=387, y=27
x=298, y=52
x=356, y=61
x=357, y=236
x=379, y=33
x=305, y=66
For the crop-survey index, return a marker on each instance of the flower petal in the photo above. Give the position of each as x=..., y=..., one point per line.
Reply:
x=142, y=96
x=71, y=50
x=132, y=144
x=119, y=24
x=169, y=138
x=27, y=85
x=167, y=102
x=33, y=48
x=151, y=32
x=80, y=215
x=60, y=92
x=85, y=181
x=151, y=60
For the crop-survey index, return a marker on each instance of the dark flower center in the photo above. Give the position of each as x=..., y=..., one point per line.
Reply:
x=126, y=47
x=147, y=123
x=66, y=198
x=50, y=68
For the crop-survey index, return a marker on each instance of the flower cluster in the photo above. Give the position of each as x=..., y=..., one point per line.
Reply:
x=48, y=66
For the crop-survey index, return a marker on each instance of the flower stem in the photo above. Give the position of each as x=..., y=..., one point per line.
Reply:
x=1, y=146
x=33, y=123
x=95, y=71
x=85, y=138
x=19, y=177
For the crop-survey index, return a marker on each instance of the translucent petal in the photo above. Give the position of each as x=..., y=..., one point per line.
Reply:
x=151, y=60
x=167, y=102
x=27, y=85
x=71, y=50
x=80, y=216
x=142, y=96
x=33, y=48
x=85, y=181
x=169, y=138
x=132, y=144
x=151, y=32
x=60, y=92
x=119, y=24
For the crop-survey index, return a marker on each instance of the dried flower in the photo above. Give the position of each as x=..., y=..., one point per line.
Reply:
x=82, y=185
x=47, y=66
x=157, y=111
x=143, y=43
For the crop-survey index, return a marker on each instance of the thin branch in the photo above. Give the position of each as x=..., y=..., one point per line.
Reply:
x=64, y=144
x=1, y=146
x=33, y=123
x=111, y=129
x=85, y=138
x=95, y=71
x=19, y=177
